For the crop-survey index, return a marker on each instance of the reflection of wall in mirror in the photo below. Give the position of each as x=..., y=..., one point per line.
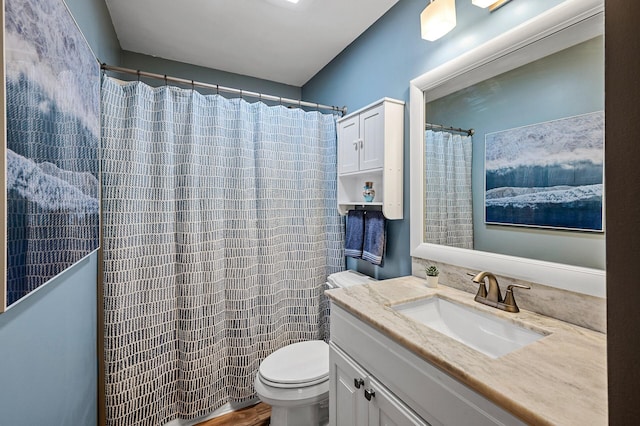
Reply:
x=567, y=83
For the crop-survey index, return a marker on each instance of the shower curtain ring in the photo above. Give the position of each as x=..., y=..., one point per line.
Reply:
x=217, y=89
x=166, y=83
x=138, y=72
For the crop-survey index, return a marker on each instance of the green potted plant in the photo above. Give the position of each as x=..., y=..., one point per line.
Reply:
x=432, y=276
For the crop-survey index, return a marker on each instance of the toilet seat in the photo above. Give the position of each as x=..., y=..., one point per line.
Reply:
x=298, y=365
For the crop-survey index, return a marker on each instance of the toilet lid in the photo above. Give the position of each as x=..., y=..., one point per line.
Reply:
x=303, y=363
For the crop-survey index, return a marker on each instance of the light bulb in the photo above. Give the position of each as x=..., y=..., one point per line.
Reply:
x=483, y=3
x=437, y=19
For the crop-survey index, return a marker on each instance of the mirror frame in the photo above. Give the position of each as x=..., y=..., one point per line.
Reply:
x=563, y=26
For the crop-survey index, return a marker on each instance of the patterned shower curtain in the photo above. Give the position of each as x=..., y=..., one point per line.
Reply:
x=219, y=229
x=448, y=200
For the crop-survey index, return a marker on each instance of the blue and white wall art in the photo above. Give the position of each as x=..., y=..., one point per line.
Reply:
x=51, y=155
x=547, y=174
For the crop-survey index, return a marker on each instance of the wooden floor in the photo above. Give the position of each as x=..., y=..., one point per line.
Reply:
x=256, y=415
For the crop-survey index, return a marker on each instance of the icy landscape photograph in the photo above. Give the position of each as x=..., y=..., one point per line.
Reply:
x=547, y=175
x=51, y=153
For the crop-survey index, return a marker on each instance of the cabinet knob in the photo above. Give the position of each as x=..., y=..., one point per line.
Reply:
x=358, y=382
x=355, y=145
x=369, y=393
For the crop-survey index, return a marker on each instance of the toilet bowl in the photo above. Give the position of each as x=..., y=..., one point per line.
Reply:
x=294, y=380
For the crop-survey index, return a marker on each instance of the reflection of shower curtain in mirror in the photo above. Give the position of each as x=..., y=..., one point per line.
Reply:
x=448, y=203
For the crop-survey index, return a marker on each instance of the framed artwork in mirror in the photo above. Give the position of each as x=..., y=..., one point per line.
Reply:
x=547, y=174
x=50, y=151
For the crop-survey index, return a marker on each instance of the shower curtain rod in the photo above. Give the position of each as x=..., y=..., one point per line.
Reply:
x=469, y=132
x=218, y=88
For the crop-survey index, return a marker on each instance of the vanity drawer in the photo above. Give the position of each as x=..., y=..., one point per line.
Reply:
x=431, y=393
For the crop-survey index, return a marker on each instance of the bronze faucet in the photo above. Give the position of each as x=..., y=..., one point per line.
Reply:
x=493, y=297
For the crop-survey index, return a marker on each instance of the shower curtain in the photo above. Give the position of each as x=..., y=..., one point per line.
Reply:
x=219, y=229
x=448, y=200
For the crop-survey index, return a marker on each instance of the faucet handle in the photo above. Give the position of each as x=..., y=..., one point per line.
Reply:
x=509, y=300
x=482, y=290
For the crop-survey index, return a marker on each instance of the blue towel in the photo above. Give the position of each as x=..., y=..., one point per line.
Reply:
x=354, y=234
x=374, y=237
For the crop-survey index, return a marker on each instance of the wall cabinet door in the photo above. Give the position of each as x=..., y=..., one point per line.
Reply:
x=372, y=137
x=361, y=141
x=349, y=145
x=347, y=405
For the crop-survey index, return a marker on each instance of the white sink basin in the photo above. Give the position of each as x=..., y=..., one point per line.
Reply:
x=493, y=336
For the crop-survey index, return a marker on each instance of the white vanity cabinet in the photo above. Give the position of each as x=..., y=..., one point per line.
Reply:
x=370, y=147
x=359, y=399
x=408, y=390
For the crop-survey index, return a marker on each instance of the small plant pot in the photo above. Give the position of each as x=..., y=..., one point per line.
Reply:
x=432, y=281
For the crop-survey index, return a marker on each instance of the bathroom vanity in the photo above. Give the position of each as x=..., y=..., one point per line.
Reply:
x=386, y=366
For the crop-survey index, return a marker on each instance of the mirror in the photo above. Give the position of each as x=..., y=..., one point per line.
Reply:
x=511, y=82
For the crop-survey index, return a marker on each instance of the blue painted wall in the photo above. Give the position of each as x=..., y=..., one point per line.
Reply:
x=92, y=16
x=139, y=61
x=48, y=368
x=383, y=60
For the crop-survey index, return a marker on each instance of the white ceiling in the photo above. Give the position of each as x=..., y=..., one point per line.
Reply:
x=269, y=39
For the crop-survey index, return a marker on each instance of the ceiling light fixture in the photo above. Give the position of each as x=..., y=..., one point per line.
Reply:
x=293, y=1
x=437, y=19
x=491, y=4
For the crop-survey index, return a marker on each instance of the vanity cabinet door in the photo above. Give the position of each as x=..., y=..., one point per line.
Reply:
x=347, y=404
x=387, y=410
x=357, y=399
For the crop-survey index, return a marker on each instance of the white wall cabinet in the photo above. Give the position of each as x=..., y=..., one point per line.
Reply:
x=370, y=149
x=408, y=389
x=361, y=140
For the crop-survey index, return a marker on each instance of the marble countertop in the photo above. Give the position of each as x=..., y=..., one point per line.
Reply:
x=560, y=379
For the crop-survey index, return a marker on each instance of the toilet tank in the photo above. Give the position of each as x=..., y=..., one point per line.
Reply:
x=342, y=279
x=346, y=279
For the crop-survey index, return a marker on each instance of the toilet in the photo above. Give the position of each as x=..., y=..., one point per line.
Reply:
x=294, y=380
